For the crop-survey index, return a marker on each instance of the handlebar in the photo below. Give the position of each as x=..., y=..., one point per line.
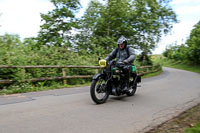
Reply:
x=120, y=63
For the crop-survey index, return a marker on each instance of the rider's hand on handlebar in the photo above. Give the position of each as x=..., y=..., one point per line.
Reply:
x=126, y=61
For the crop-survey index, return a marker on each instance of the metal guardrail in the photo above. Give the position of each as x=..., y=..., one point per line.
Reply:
x=142, y=70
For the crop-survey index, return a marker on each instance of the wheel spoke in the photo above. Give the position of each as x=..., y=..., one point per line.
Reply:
x=100, y=93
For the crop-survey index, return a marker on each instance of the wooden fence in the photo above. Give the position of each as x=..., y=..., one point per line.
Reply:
x=142, y=70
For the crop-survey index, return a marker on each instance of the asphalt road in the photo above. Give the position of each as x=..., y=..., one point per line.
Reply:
x=71, y=110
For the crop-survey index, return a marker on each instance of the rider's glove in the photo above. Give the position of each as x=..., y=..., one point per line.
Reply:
x=126, y=61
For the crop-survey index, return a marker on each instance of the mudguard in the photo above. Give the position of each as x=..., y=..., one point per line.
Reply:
x=96, y=76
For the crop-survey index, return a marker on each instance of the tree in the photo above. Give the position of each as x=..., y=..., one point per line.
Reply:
x=193, y=44
x=152, y=18
x=86, y=40
x=58, y=23
x=9, y=41
x=141, y=21
x=103, y=24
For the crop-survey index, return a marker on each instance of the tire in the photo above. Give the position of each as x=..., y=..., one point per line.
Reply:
x=132, y=90
x=98, y=88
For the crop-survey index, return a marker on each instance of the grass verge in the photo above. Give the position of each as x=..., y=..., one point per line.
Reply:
x=24, y=88
x=186, y=122
x=152, y=74
x=183, y=66
x=159, y=59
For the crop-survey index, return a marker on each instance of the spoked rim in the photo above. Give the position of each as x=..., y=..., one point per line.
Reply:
x=100, y=90
x=132, y=89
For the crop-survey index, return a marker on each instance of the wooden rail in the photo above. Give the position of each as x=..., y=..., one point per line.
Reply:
x=140, y=70
x=44, y=66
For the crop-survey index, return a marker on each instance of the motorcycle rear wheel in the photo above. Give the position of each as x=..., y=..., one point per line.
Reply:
x=98, y=92
x=132, y=90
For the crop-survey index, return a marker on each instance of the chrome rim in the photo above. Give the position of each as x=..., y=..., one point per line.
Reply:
x=100, y=92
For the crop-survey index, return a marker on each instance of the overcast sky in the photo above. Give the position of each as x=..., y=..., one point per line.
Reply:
x=22, y=17
x=188, y=12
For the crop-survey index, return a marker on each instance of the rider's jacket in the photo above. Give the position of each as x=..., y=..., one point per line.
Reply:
x=122, y=54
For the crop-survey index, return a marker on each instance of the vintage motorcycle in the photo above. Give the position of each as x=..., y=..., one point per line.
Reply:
x=111, y=81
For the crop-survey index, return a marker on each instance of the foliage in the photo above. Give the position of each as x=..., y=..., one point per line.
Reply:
x=193, y=44
x=141, y=21
x=151, y=19
x=144, y=59
x=24, y=53
x=58, y=23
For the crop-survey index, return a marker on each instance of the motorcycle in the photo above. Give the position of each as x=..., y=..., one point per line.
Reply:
x=112, y=80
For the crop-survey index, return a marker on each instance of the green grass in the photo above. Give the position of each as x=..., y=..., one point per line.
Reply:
x=195, y=129
x=175, y=64
x=24, y=88
x=188, y=67
x=152, y=74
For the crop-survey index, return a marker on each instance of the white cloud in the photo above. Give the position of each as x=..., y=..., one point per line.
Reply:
x=187, y=10
x=179, y=35
x=22, y=16
x=185, y=2
x=188, y=13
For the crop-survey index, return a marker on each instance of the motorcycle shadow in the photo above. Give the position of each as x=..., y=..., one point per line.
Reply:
x=123, y=98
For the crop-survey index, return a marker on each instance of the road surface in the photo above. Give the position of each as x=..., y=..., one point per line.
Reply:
x=71, y=110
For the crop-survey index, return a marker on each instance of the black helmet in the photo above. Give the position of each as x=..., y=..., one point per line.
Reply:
x=121, y=40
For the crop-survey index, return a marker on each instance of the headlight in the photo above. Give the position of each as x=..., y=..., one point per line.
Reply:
x=102, y=63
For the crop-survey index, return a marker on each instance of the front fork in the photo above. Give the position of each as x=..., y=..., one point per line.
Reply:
x=101, y=87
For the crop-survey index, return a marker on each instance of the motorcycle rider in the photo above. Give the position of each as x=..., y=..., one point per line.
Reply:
x=125, y=54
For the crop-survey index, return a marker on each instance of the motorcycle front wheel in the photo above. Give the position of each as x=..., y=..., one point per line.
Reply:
x=98, y=91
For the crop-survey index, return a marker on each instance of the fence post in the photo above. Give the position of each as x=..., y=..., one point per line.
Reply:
x=64, y=75
x=97, y=71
